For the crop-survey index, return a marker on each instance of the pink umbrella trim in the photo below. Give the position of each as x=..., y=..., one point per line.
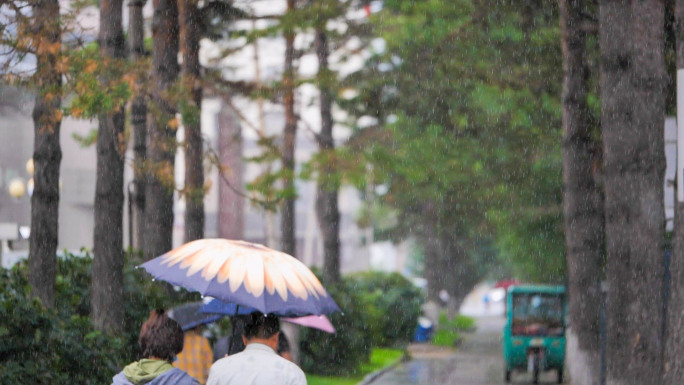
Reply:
x=313, y=321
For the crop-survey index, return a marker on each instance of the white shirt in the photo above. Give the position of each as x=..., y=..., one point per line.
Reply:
x=258, y=364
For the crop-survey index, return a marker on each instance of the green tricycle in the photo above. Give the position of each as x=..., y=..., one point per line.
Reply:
x=534, y=335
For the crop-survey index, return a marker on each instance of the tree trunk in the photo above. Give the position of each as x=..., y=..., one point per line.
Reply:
x=47, y=154
x=190, y=24
x=161, y=132
x=582, y=199
x=632, y=98
x=673, y=366
x=287, y=215
x=433, y=265
x=107, y=307
x=136, y=33
x=326, y=198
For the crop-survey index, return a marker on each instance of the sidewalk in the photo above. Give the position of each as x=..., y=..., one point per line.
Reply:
x=477, y=361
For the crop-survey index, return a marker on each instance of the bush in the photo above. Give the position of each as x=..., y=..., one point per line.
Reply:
x=43, y=346
x=343, y=352
x=395, y=306
x=379, y=309
x=60, y=346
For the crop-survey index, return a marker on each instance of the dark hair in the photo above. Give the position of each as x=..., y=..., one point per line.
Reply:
x=261, y=325
x=283, y=344
x=160, y=336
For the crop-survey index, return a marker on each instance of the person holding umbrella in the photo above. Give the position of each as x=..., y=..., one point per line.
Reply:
x=258, y=364
x=161, y=339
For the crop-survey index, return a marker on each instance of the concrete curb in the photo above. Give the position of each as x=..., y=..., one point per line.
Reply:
x=371, y=377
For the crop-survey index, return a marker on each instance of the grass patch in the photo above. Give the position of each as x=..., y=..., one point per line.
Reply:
x=445, y=337
x=449, y=330
x=460, y=322
x=380, y=358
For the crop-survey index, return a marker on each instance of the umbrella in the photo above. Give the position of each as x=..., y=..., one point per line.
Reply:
x=188, y=316
x=246, y=274
x=312, y=321
x=320, y=322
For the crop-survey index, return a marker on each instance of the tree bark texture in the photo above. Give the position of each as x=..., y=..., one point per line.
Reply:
x=673, y=365
x=107, y=307
x=633, y=108
x=582, y=197
x=190, y=33
x=161, y=132
x=136, y=35
x=287, y=215
x=327, y=208
x=231, y=216
x=47, y=153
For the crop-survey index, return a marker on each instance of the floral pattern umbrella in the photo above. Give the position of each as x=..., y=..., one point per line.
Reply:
x=244, y=273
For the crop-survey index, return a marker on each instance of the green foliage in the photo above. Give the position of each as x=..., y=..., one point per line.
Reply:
x=87, y=140
x=380, y=358
x=460, y=322
x=446, y=337
x=60, y=346
x=379, y=310
x=97, y=85
x=395, y=306
x=468, y=137
x=41, y=346
x=449, y=331
x=341, y=353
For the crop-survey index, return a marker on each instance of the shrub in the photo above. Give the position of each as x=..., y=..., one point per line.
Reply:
x=379, y=309
x=343, y=352
x=396, y=306
x=60, y=346
x=43, y=346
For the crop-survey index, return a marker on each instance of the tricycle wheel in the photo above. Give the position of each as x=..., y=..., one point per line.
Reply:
x=507, y=376
x=560, y=375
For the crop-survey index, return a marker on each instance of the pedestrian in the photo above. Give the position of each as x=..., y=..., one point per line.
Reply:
x=258, y=364
x=284, y=347
x=197, y=356
x=161, y=339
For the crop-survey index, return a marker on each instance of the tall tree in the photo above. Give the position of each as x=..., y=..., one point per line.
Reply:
x=190, y=33
x=582, y=197
x=328, y=187
x=161, y=131
x=107, y=306
x=673, y=366
x=136, y=37
x=47, y=153
x=288, y=238
x=632, y=120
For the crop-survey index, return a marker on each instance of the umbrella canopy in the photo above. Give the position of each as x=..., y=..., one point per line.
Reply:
x=222, y=308
x=313, y=321
x=188, y=316
x=319, y=322
x=244, y=273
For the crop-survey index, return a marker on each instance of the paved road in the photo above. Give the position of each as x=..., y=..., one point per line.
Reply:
x=476, y=362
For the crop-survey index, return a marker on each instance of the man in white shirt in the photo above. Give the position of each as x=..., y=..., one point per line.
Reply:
x=258, y=364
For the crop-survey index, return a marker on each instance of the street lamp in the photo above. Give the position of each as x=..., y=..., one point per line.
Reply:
x=16, y=188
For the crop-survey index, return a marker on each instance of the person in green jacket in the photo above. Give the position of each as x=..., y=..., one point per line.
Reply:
x=161, y=339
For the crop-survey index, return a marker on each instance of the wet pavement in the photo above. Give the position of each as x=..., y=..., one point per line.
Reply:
x=477, y=361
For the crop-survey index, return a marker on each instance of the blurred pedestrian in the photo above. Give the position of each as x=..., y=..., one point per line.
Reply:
x=258, y=364
x=197, y=356
x=161, y=339
x=284, y=347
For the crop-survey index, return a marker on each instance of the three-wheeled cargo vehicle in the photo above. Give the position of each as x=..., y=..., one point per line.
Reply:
x=534, y=335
